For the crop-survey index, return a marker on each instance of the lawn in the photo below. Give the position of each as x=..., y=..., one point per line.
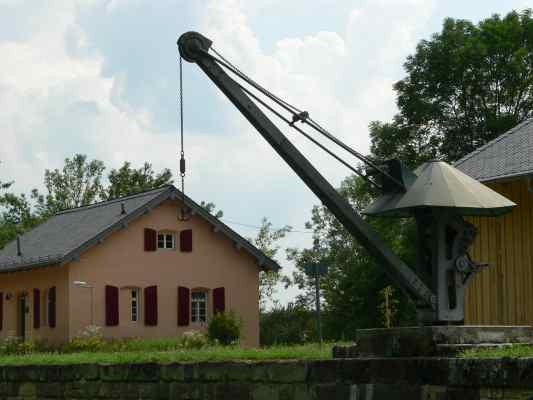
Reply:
x=144, y=351
x=514, y=351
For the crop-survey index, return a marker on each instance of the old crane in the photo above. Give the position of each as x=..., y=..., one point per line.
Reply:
x=437, y=195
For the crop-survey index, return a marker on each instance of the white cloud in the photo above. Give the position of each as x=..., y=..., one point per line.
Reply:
x=55, y=104
x=56, y=100
x=344, y=78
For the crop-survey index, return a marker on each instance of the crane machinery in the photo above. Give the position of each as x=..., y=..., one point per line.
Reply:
x=437, y=195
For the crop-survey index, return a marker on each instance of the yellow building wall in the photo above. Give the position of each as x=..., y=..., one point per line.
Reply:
x=503, y=293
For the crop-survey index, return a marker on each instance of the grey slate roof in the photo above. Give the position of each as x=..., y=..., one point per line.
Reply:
x=507, y=156
x=64, y=236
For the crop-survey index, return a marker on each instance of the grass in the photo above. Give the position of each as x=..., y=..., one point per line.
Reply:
x=514, y=351
x=150, y=351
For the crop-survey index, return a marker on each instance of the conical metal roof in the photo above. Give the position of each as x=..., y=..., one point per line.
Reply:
x=440, y=185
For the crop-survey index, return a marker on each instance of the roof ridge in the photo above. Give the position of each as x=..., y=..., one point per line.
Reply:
x=116, y=200
x=493, y=141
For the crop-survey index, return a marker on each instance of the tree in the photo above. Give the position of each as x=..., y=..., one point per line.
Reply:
x=351, y=289
x=464, y=86
x=211, y=209
x=126, y=180
x=7, y=230
x=16, y=217
x=78, y=183
x=290, y=324
x=266, y=241
x=5, y=185
x=398, y=140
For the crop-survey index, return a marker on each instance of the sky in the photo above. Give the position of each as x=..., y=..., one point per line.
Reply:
x=99, y=77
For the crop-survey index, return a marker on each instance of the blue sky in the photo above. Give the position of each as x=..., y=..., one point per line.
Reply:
x=100, y=77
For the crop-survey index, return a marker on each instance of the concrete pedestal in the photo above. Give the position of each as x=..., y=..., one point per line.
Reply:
x=431, y=341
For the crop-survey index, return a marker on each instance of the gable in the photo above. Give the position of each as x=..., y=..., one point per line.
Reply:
x=66, y=235
x=125, y=249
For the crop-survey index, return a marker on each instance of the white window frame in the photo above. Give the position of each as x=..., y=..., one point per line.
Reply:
x=196, y=304
x=135, y=304
x=166, y=235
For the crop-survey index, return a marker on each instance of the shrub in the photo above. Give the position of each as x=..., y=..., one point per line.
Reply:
x=89, y=339
x=193, y=340
x=290, y=324
x=224, y=328
x=16, y=345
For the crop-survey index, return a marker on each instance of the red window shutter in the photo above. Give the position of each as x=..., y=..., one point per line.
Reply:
x=184, y=306
x=111, y=306
x=36, y=308
x=52, y=307
x=1, y=310
x=186, y=240
x=150, y=305
x=150, y=239
x=219, y=300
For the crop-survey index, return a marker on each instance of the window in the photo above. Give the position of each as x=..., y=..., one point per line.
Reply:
x=165, y=240
x=199, y=307
x=135, y=305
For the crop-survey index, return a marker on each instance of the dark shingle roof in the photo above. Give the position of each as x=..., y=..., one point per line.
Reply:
x=64, y=236
x=509, y=155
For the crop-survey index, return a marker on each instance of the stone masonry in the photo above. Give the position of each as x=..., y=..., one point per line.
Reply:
x=347, y=379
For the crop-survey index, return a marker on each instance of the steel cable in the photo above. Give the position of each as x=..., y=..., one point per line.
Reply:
x=297, y=113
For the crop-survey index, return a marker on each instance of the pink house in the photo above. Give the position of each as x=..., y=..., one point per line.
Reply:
x=131, y=266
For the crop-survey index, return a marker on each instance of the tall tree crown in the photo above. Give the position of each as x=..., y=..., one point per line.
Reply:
x=464, y=86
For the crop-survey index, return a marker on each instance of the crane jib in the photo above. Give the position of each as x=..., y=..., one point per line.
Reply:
x=193, y=48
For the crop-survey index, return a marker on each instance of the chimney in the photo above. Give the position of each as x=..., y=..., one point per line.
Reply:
x=122, y=208
x=19, y=251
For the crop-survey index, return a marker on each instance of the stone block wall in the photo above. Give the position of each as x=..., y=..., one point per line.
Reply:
x=349, y=379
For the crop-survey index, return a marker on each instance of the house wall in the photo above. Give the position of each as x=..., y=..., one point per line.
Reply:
x=121, y=261
x=14, y=284
x=502, y=293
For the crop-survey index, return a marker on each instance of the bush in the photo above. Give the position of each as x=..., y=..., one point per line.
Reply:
x=89, y=339
x=224, y=328
x=193, y=340
x=287, y=325
x=15, y=345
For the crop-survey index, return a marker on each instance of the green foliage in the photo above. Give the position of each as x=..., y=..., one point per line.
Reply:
x=5, y=185
x=266, y=241
x=388, y=307
x=225, y=328
x=89, y=339
x=287, y=325
x=512, y=351
x=78, y=183
x=211, y=209
x=210, y=353
x=193, y=340
x=464, y=86
x=127, y=180
x=351, y=289
x=13, y=345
